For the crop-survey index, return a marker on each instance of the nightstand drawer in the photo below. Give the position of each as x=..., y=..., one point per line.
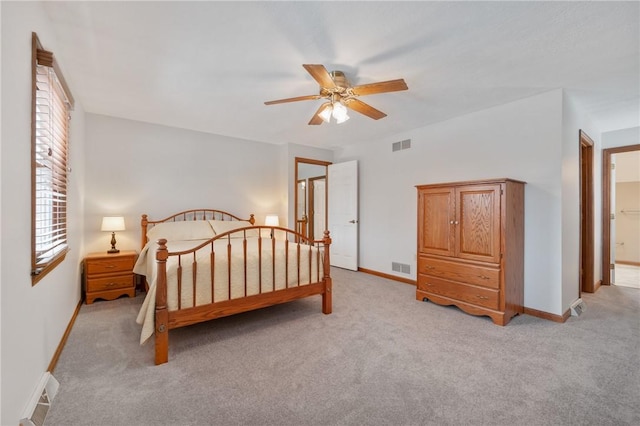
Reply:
x=110, y=266
x=110, y=283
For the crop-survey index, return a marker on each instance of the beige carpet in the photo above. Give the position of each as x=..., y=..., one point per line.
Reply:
x=381, y=358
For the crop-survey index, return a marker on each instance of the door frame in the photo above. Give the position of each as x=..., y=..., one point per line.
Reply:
x=587, y=281
x=311, y=161
x=606, y=207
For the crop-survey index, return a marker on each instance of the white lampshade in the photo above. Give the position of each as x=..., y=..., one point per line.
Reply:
x=342, y=119
x=272, y=220
x=340, y=112
x=112, y=223
x=325, y=114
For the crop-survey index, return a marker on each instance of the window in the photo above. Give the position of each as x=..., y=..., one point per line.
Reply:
x=51, y=106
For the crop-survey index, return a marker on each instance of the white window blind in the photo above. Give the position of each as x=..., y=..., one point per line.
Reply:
x=51, y=114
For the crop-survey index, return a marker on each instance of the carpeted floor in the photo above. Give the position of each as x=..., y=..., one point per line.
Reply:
x=381, y=358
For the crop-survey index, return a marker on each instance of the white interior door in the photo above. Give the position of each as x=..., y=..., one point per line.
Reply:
x=342, y=209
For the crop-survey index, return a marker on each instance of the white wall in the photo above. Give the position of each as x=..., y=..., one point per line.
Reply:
x=521, y=140
x=624, y=137
x=628, y=166
x=627, y=221
x=135, y=168
x=574, y=120
x=33, y=318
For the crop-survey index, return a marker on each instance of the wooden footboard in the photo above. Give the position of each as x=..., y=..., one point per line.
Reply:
x=262, y=283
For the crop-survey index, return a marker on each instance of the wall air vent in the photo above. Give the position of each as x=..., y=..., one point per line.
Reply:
x=400, y=145
x=403, y=268
x=38, y=407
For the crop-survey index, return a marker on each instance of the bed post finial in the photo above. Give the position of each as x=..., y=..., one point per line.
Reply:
x=328, y=283
x=144, y=222
x=252, y=219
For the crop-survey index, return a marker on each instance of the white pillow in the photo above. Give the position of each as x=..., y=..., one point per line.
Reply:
x=222, y=226
x=182, y=230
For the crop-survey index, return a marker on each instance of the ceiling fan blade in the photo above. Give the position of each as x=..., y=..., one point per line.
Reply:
x=381, y=87
x=316, y=119
x=299, y=98
x=320, y=74
x=366, y=109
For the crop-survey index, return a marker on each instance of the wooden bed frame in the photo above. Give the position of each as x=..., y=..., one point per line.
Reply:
x=183, y=316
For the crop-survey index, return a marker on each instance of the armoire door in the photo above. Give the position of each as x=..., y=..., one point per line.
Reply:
x=477, y=222
x=436, y=215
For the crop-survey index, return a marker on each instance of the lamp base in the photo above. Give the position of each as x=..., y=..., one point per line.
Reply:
x=113, y=244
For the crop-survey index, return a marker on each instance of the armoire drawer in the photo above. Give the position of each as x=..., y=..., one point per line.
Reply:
x=461, y=272
x=480, y=296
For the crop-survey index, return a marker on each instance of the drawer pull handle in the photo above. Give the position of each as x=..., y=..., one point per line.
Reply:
x=112, y=284
x=481, y=297
x=485, y=277
x=429, y=267
x=110, y=266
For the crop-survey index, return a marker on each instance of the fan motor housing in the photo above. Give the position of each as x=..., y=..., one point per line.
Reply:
x=341, y=82
x=340, y=79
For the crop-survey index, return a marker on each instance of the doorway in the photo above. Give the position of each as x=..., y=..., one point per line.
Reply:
x=310, y=197
x=587, y=283
x=611, y=213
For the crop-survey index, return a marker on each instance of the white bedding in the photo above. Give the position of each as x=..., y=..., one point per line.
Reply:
x=146, y=265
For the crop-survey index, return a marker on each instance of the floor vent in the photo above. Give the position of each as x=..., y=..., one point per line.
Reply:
x=399, y=146
x=400, y=267
x=577, y=308
x=39, y=406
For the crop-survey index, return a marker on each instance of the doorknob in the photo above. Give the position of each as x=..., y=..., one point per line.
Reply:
x=353, y=221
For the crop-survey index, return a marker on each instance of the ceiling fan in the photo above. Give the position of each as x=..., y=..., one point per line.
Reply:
x=340, y=95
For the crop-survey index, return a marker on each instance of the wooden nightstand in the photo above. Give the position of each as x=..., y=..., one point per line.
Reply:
x=109, y=276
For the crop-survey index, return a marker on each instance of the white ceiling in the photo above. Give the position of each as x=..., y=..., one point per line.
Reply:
x=209, y=66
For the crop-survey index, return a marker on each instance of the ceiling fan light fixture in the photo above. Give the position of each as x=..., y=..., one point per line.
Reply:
x=338, y=94
x=340, y=112
x=325, y=114
x=342, y=119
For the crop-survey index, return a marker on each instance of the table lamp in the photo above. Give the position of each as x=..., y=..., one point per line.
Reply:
x=272, y=220
x=112, y=224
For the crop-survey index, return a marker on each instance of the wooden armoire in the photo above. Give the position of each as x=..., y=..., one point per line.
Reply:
x=471, y=246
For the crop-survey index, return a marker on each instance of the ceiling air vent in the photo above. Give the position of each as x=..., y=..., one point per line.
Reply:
x=399, y=146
